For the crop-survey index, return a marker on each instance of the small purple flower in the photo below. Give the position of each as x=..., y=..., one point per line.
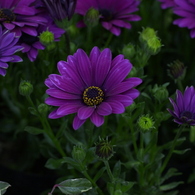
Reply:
x=184, y=106
x=167, y=3
x=185, y=9
x=8, y=46
x=20, y=16
x=114, y=14
x=91, y=86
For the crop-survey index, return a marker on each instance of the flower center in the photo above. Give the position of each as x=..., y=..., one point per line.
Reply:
x=7, y=15
x=93, y=96
x=107, y=15
x=187, y=115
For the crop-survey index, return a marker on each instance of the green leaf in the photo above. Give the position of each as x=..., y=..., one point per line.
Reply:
x=181, y=151
x=170, y=173
x=3, y=187
x=54, y=163
x=191, y=177
x=126, y=185
x=33, y=111
x=71, y=139
x=75, y=186
x=170, y=186
x=33, y=130
x=99, y=174
x=72, y=162
x=117, y=169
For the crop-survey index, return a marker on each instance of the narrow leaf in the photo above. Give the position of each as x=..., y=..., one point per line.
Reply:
x=33, y=130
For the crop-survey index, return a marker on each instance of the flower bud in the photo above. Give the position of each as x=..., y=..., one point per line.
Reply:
x=78, y=153
x=92, y=17
x=46, y=37
x=43, y=108
x=129, y=50
x=104, y=149
x=145, y=123
x=25, y=88
x=160, y=92
x=176, y=70
x=149, y=39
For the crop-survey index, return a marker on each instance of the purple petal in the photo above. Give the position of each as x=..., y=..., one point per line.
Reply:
x=2, y=71
x=77, y=122
x=97, y=119
x=103, y=66
x=117, y=107
x=126, y=100
x=124, y=86
x=84, y=67
x=57, y=93
x=104, y=109
x=85, y=112
x=54, y=115
x=68, y=109
x=64, y=84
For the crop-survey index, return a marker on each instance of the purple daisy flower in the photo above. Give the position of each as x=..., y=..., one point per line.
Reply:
x=20, y=16
x=114, y=14
x=167, y=3
x=8, y=47
x=92, y=87
x=184, y=107
x=185, y=9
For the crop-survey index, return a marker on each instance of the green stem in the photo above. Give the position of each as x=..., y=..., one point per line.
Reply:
x=67, y=43
x=171, y=150
x=108, y=40
x=47, y=128
x=180, y=86
x=92, y=182
x=134, y=139
x=109, y=171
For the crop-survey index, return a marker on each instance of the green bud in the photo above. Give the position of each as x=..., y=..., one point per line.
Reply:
x=160, y=92
x=25, y=88
x=129, y=50
x=104, y=149
x=78, y=153
x=92, y=17
x=150, y=40
x=46, y=37
x=43, y=108
x=145, y=123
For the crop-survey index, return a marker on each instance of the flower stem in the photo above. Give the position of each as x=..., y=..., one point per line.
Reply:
x=108, y=40
x=134, y=139
x=109, y=171
x=171, y=150
x=93, y=183
x=47, y=128
x=67, y=43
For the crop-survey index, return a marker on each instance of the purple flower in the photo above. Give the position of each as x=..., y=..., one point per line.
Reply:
x=114, y=14
x=184, y=107
x=20, y=16
x=167, y=3
x=185, y=9
x=8, y=47
x=60, y=9
x=92, y=87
